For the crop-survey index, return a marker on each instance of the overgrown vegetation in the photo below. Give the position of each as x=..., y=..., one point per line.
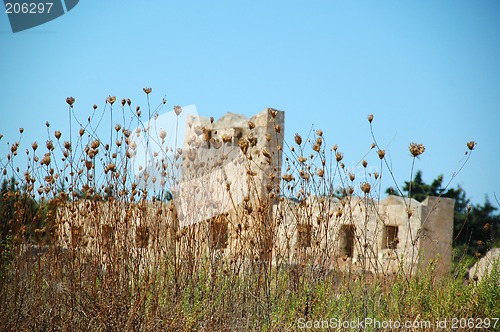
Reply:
x=85, y=247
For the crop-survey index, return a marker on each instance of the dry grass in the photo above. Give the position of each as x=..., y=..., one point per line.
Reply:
x=88, y=249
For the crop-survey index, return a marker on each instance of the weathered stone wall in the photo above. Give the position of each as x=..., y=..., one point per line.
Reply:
x=436, y=232
x=98, y=227
x=349, y=234
x=227, y=200
x=363, y=234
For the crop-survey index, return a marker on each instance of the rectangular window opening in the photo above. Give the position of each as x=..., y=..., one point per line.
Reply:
x=390, y=238
x=347, y=236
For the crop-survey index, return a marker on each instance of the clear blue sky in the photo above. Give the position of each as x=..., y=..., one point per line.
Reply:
x=428, y=70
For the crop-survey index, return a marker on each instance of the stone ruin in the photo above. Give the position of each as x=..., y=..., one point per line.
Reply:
x=356, y=233
x=235, y=162
x=228, y=197
x=228, y=162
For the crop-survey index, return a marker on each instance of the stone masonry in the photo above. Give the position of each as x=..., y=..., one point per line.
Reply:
x=228, y=197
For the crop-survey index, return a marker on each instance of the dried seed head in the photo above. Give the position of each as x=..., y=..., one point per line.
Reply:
x=243, y=144
x=304, y=175
x=288, y=177
x=216, y=143
x=21, y=130
x=34, y=146
x=94, y=107
x=335, y=147
x=129, y=101
x=46, y=159
x=370, y=118
x=111, y=167
x=320, y=172
x=373, y=145
x=47, y=124
x=298, y=139
x=316, y=147
x=49, y=145
x=14, y=147
x=147, y=90
x=364, y=163
x=302, y=159
x=351, y=176
x=111, y=99
x=471, y=145
x=177, y=110
x=123, y=101
x=70, y=101
x=416, y=149
x=57, y=134
x=82, y=131
x=163, y=134
x=206, y=134
x=118, y=127
x=339, y=156
x=67, y=145
x=198, y=130
x=277, y=128
x=375, y=175
x=319, y=132
x=95, y=144
x=274, y=113
x=266, y=153
x=365, y=187
x=251, y=125
x=211, y=119
x=381, y=154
